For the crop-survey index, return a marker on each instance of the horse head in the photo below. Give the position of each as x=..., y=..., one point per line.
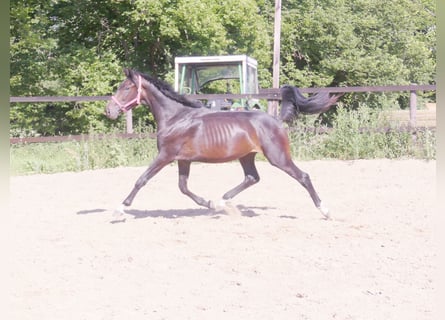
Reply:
x=127, y=96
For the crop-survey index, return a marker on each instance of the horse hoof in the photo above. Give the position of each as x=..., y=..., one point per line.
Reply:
x=324, y=211
x=221, y=206
x=232, y=210
x=119, y=211
x=227, y=208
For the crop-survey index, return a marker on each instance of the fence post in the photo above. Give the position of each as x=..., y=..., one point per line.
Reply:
x=129, y=119
x=412, y=108
x=272, y=108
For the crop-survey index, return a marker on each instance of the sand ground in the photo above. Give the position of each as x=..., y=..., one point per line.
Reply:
x=170, y=259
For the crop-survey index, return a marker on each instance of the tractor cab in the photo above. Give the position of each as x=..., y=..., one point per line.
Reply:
x=236, y=74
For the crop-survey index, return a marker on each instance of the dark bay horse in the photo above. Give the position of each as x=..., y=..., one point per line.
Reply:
x=187, y=132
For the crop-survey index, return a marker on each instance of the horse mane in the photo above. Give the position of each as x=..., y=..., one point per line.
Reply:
x=169, y=92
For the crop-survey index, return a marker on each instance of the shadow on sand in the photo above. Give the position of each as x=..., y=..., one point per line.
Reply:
x=178, y=213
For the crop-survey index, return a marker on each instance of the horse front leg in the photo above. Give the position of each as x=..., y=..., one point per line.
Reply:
x=157, y=164
x=184, y=172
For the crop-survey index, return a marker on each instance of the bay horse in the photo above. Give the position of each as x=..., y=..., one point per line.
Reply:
x=187, y=132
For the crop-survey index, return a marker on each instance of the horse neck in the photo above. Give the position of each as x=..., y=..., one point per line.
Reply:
x=162, y=107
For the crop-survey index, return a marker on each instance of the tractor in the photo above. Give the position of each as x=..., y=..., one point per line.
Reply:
x=231, y=74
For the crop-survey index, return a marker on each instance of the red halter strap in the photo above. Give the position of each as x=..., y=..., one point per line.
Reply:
x=132, y=103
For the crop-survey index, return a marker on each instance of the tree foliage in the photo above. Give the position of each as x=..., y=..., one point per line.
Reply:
x=61, y=47
x=359, y=43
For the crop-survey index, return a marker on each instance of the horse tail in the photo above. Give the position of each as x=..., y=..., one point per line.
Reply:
x=293, y=102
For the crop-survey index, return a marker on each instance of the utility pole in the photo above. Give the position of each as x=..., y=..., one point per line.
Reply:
x=273, y=104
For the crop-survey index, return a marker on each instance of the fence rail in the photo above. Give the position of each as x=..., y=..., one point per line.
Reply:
x=80, y=137
x=266, y=94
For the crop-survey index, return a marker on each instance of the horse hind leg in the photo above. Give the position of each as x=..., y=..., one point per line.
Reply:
x=251, y=176
x=184, y=172
x=304, y=179
x=285, y=163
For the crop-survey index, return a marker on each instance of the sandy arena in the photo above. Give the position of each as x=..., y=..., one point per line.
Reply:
x=170, y=259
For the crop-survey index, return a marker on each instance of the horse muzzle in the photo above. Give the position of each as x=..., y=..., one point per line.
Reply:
x=112, y=110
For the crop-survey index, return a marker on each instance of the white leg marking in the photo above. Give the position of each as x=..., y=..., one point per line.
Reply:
x=220, y=205
x=324, y=211
x=119, y=211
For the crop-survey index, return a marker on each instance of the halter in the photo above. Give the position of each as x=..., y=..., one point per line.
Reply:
x=130, y=104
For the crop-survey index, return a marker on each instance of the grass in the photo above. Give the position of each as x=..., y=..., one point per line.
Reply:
x=89, y=154
x=345, y=140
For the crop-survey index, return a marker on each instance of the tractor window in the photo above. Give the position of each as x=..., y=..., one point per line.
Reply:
x=210, y=79
x=221, y=86
x=217, y=77
x=252, y=85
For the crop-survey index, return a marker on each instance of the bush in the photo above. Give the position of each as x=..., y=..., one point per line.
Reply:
x=364, y=133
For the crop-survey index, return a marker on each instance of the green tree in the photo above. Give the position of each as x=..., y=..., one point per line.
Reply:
x=79, y=48
x=149, y=34
x=62, y=47
x=31, y=47
x=358, y=42
x=40, y=65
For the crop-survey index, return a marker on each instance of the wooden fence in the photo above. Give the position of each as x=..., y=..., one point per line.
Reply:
x=266, y=94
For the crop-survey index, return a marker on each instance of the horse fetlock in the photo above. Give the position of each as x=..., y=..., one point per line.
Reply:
x=127, y=202
x=252, y=180
x=211, y=204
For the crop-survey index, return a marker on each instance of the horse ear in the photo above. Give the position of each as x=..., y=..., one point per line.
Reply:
x=127, y=72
